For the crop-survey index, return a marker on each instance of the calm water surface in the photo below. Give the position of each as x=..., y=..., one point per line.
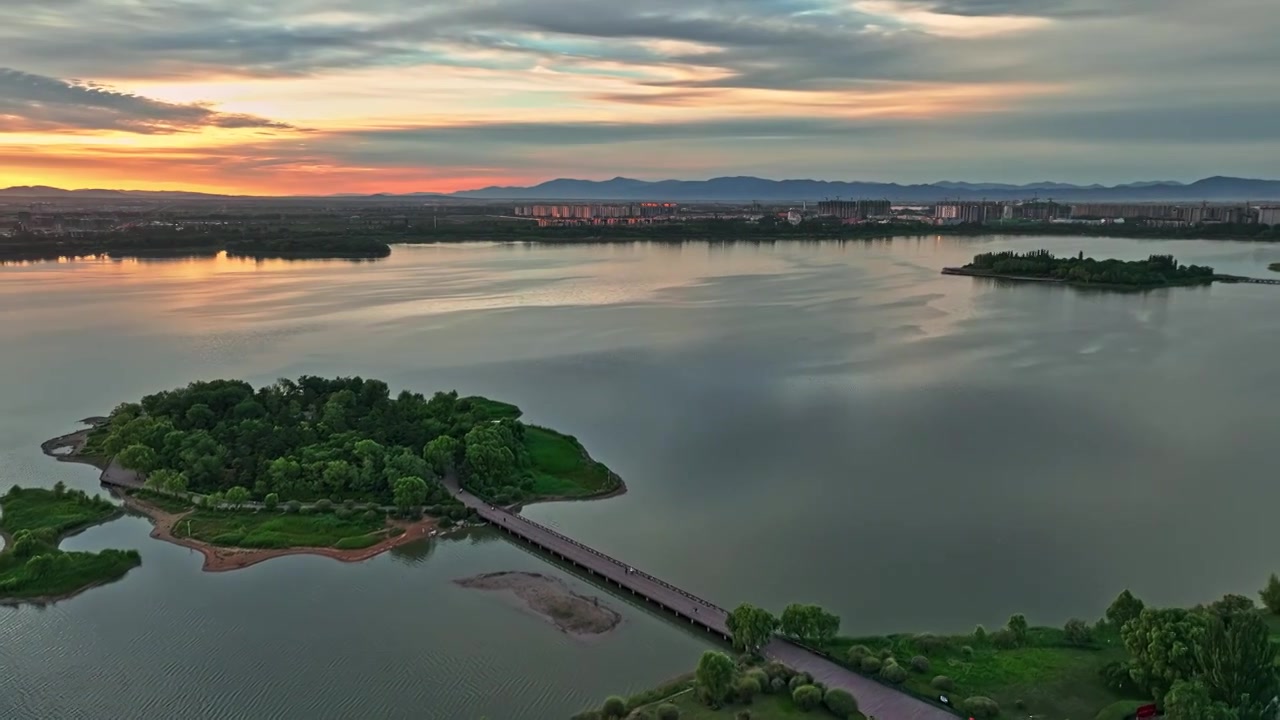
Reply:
x=805, y=422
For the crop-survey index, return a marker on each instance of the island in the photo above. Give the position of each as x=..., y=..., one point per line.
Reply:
x=152, y=242
x=1275, y=266
x=1210, y=662
x=334, y=467
x=35, y=521
x=1044, y=266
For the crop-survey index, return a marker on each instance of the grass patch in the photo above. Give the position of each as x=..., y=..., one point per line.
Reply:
x=484, y=409
x=33, y=566
x=361, y=542
x=277, y=530
x=1048, y=676
x=1121, y=710
x=37, y=509
x=562, y=468
x=168, y=503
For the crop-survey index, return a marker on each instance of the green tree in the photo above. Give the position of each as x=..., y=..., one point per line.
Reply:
x=1237, y=663
x=746, y=689
x=1124, y=608
x=1018, y=626
x=441, y=454
x=410, y=493
x=237, y=496
x=1271, y=595
x=1077, y=632
x=138, y=457
x=40, y=566
x=715, y=675
x=809, y=623
x=1163, y=644
x=271, y=501
x=841, y=703
x=1190, y=700
x=806, y=697
x=752, y=627
x=614, y=708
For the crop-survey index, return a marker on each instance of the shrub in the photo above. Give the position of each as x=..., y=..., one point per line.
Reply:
x=777, y=685
x=306, y=510
x=928, y=642
x=841, y=703
x=857, y=652
x=943, y=683
x=667, y=711
x=1116, y=676
x=323, y=505
x=981, y=708
x=806, y=697
x=292, y=507
x=893, y=673
x=886, y=653
x=870, y=665
x=966, y=651
x=1077, y=632
x=743, y=715
x=1004, y=639
x=349, y=504
x=759, y=677
x=271, y=501
x=372, y=515
x=343, y=513
x=920, y=664
x=799, y=679
x=979, y=635
x=1020, y=704
x=746, y=689
x=614, y=708
x=446, y=523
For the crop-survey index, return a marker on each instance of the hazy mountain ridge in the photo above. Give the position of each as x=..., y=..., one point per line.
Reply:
x=745, y=189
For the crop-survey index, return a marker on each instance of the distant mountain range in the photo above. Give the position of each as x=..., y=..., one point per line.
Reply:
x=748, y=189
x=745, y=189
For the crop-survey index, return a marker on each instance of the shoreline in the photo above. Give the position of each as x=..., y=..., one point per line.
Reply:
x=606, y=495
x=218, y=558
x=966, y=272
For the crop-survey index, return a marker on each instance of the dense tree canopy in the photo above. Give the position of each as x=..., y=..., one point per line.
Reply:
x=751, y=626
x=809, y=623
x=1154, y=271
x=715, y=675
x=340, y=439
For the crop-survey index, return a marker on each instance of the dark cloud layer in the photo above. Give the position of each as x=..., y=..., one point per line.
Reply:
x=37, y=103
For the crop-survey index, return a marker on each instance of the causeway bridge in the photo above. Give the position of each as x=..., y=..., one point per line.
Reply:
x=874, y=699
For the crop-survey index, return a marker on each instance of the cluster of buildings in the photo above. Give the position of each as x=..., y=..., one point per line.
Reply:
x=599, y=213
x=855, y=210
x=967, y=211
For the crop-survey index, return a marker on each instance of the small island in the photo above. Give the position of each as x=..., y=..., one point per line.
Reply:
x=1275, y=266
x=549, y=597
x=1042, y=266
x=333, y=467
x=35, y=521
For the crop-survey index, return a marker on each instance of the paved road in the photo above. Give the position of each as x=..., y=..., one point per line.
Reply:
x=875, y=700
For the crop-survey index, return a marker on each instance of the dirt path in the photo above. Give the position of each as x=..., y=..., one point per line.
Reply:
x=224, y=559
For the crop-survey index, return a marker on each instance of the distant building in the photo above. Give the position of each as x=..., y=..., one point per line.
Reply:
x=1036, y=210
x=854, y=209
x=1269, y=215
x=597, y=213
x=963, y=211
x=1127, y=211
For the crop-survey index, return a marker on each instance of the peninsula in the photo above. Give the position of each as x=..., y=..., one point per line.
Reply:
x=32, y=567
x=334, y=467
x=1043, y=266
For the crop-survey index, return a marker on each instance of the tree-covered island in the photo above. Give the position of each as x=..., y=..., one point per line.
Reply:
x=35, y=520
x=1155, y=271
x=319, y=463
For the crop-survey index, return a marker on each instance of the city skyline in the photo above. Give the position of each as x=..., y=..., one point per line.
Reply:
x=330, y=96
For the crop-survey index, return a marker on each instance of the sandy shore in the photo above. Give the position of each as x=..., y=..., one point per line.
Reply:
x=552, y=599
x=224, y=559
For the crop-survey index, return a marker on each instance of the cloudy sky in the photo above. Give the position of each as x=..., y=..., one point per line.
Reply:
x=325, y=96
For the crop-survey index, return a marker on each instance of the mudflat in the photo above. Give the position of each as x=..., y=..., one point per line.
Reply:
x=552, y=599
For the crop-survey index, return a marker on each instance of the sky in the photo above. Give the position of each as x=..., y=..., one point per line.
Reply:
x=275, y=97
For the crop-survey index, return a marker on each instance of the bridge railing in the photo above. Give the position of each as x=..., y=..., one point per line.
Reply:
x=620, y=564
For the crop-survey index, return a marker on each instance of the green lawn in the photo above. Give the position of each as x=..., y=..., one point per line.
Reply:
x=561, y=468
x=1052, y=680
x=168, y=503
x=34, y=566
x=40, y=509
x=249, y=529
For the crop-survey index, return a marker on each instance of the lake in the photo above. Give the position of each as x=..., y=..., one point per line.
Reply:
x=805, y=422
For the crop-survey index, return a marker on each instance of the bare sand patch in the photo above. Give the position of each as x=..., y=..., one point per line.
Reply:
x=552, y=599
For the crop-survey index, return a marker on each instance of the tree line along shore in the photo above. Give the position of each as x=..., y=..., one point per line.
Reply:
x=287, y=241
x=1211, y=662
x=1042, y=265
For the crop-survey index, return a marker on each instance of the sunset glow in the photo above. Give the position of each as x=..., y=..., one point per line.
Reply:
x=329, y=96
